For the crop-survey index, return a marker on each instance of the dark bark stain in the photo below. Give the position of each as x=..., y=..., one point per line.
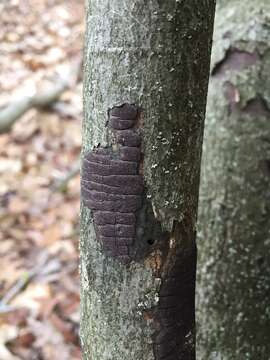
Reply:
x=265, y=165
x=257, y=106
x=254, y=107
x=234, y=60
x=174, y=316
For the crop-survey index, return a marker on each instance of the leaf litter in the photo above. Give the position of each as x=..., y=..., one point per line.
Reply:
x=39, y=282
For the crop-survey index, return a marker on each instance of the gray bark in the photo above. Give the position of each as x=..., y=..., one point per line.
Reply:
x=233, y=283
x=156, y=55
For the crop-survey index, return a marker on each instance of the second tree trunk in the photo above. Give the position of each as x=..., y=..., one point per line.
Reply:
x=234, y=213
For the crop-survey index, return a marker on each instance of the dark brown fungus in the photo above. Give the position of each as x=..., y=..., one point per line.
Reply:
x=112, y=186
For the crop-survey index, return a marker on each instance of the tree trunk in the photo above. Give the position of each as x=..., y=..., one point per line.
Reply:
x=234, y=213
x=146, y=77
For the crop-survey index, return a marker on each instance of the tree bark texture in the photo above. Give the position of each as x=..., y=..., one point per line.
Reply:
x=233, y=288
x=145, y=84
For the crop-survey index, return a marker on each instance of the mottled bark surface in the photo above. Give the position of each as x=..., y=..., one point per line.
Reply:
x=233, y=290
x=153, y=54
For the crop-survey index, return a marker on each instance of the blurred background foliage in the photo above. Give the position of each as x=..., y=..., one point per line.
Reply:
x=40, y=125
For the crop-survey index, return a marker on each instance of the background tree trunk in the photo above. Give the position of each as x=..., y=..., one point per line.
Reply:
x=234, y=212
x=154, y=54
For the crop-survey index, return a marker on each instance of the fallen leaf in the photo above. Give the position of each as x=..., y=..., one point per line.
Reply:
x=51, y=235
x=17, y=205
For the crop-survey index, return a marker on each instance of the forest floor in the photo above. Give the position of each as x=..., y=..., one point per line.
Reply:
x=39, y=282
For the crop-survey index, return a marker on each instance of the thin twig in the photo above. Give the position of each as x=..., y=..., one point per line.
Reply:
x=13, y=111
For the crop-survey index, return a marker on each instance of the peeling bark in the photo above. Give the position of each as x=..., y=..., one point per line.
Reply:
x=233, y=283
x=154, y=55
